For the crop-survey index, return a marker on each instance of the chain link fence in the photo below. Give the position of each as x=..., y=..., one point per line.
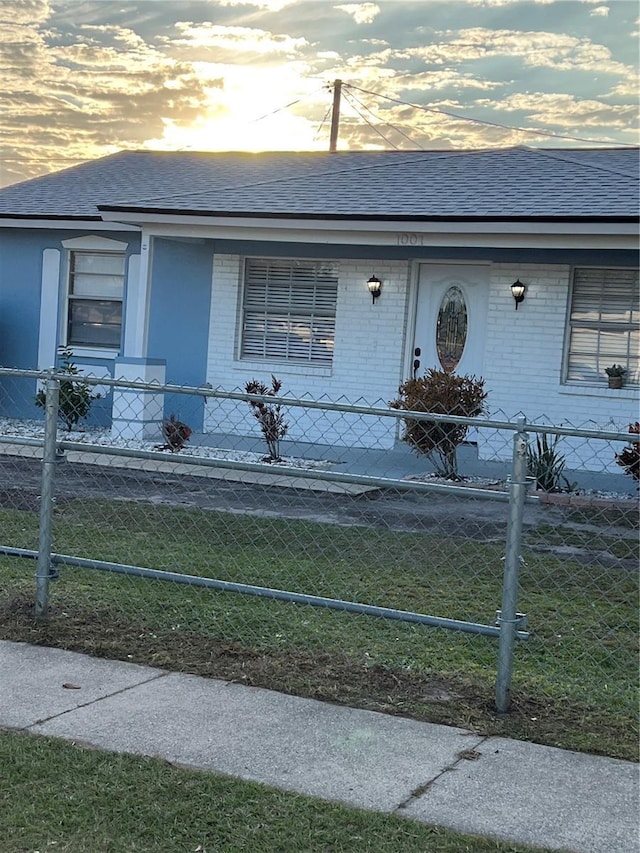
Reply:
x=300, y=544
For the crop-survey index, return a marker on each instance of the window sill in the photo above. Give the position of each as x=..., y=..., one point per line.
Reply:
x=91, y=352
x=630, y=392
x=283, y=368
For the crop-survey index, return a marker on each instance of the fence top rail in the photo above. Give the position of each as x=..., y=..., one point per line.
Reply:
x=519, y=424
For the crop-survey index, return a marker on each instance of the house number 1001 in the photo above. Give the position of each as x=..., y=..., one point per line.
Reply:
x=409, y=239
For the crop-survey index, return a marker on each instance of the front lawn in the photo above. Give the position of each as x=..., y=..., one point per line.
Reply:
x=575, y=683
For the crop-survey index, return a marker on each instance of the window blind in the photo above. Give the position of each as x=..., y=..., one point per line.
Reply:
x=604, y=324
x=289, y=311
x=96, y=287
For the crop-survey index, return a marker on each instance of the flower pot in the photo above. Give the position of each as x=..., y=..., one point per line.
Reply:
x=615, y=381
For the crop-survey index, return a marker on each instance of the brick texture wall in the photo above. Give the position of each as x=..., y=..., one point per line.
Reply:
x=523, y=359
x=367, y=362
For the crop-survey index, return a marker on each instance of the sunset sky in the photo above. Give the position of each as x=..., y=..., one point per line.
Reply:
x=83, y=78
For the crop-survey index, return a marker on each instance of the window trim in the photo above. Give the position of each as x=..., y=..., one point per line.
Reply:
x=601, y=381
x=287, y=364
x=93, y=245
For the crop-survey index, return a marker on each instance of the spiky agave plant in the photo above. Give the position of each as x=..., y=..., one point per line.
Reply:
x=547, y=465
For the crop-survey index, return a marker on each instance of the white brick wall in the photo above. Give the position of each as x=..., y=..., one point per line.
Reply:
x=367, y=362
x=522, y=363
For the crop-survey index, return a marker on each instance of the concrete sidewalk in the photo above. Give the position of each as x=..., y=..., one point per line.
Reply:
x=512, y=790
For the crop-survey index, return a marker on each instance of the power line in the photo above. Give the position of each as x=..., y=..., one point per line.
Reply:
x=486, y=122
x=286, y=106
x=323, y=122
x=273, y=112
x=367, y=122
x=386, y=123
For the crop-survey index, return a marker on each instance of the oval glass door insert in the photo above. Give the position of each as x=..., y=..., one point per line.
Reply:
x=451, y=329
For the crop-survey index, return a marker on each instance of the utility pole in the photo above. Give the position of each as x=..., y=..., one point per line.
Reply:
x=335, y=115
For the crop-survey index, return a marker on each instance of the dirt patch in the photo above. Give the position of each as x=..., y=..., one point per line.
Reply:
x=469, y=518
x=24, y=500
x=20, y=499
x=448, y=699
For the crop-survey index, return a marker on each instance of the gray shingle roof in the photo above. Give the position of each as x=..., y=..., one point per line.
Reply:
x=505, y=183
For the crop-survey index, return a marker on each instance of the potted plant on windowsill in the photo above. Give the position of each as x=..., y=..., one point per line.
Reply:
x=616, y=374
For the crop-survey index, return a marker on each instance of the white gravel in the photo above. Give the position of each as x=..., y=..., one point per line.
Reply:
x=103, y=438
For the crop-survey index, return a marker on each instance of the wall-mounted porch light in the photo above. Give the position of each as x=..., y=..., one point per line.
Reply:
x=517, y=291
x=375, y=286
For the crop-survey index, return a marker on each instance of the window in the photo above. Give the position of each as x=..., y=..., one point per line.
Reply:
x=451, y=329
x=289, y=311
x=96, y=286
x=604, y=324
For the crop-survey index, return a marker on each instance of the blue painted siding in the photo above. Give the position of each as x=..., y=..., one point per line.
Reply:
x=20, y=280
x=20, y=284
x=20, y=290
x=179, y=319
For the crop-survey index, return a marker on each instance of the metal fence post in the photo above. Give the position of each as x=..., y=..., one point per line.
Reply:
x=508, y=619
x=45, y=537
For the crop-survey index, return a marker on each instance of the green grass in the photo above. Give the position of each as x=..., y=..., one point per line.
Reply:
x=59, y=797
x=623, y=545
x=575, y=682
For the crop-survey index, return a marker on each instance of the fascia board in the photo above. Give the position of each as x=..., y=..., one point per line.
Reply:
x=272, y=225
x=67, y=224
x=585, y=225
x=408, y=235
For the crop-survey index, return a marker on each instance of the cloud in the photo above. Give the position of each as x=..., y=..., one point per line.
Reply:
x=25, y=12
x=599, y=11
x=362, y=13
x=269, y=5
x=86, y=93
x=544, y=50
x=244, y=39
x=82, y=78
x=427, y=129
x=558, y=51
x=567, y=112
x=445, y=79
x=512, y=2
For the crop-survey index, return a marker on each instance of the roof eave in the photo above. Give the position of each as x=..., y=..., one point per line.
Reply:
x=58, y=222
x=142, y=214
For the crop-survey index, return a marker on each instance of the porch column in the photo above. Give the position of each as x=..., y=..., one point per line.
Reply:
x=136, y=305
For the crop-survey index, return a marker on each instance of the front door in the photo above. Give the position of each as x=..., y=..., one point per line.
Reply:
x=451, y=315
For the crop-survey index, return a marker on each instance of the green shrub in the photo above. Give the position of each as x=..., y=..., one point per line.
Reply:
x=442, y=393
x=175, y=433
x=629, y=458
x=75, y=398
